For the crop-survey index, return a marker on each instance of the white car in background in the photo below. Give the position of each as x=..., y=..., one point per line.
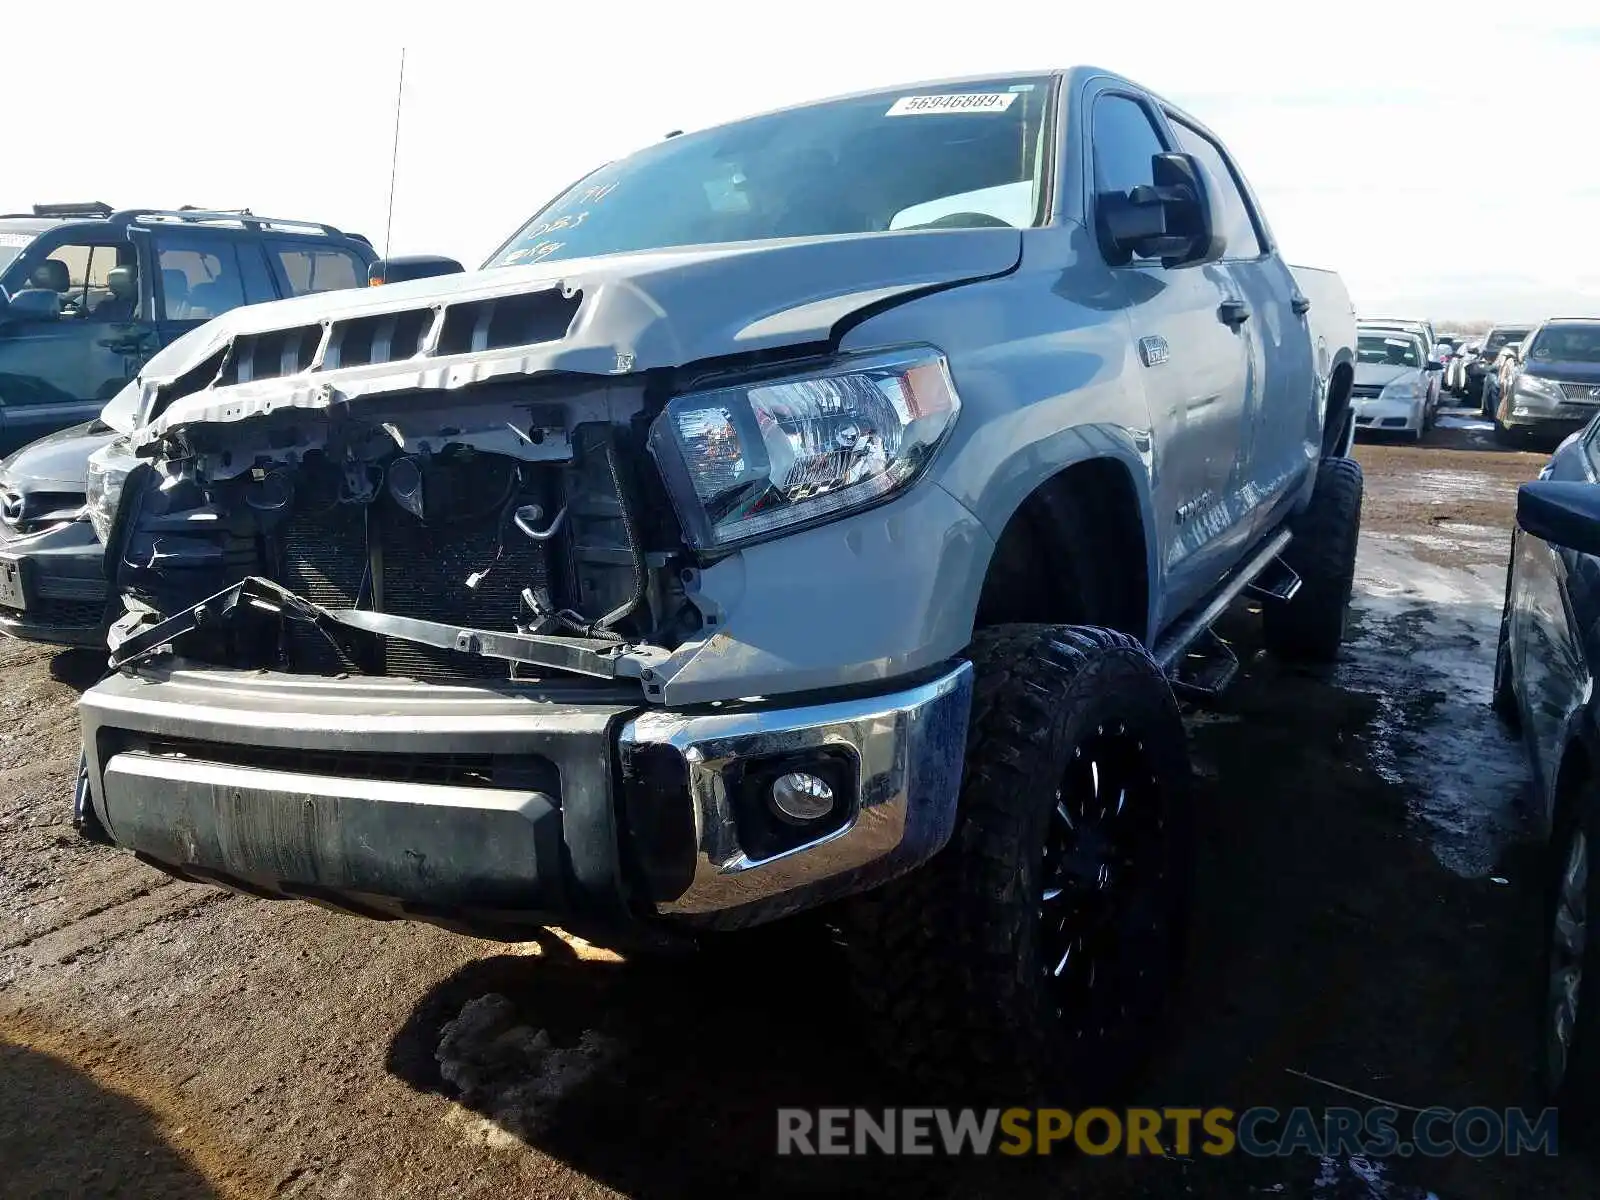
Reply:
x=1425, y=334
x=1395, y=385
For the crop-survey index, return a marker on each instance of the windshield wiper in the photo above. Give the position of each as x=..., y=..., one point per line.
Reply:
x=581, y=656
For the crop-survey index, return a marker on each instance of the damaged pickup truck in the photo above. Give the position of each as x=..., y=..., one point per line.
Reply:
x=820, y=511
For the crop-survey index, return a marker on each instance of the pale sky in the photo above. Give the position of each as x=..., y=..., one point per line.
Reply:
x=1440, y=156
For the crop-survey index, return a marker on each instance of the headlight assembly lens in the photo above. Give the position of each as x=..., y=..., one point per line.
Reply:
x=748, y=461
x=1540, y=391
x=1408, y=389
x=108, y=471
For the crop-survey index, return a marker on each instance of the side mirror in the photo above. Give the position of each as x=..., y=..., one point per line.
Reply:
x=33, y=304
x=1435, y=365
x=1563, y=512
x=411, y=266
x=1171, y=220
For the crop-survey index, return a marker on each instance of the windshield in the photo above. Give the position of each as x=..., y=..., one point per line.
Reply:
x=1499, y=339
x=1567, y=343
x=1391, y=351
x=952, y=158
x=11, y=245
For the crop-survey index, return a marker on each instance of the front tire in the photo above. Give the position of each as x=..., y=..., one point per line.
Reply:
x=1035, y=953
x=1311, y=627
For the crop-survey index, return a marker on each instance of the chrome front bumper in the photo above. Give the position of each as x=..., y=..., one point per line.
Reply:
x=484, y=808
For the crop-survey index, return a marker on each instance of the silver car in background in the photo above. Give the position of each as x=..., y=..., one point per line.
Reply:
x=1393, y=390
x=1425, y=334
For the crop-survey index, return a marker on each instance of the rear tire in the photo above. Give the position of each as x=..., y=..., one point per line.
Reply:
x=1311, y=627
x=1033, y=955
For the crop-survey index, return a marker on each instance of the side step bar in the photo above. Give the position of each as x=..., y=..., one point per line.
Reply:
x=1190, y=629
x=1278, y=583
x=1205, y=672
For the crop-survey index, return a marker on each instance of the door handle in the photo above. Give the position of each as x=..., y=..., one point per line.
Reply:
x=1300, y=304
x=1233, y=313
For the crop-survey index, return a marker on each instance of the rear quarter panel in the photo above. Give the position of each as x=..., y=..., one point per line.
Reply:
x=1332, y=323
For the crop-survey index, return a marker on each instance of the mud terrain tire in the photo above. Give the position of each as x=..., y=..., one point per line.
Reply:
x=1311, y=627
x=1074, y=830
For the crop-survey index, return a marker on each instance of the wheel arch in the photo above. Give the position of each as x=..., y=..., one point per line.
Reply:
x=1049, y=557
x=1573, y=775
x=1337, y=428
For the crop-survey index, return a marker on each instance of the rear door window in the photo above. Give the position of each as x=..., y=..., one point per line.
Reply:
x=198, y=276
x=308, y=269
x=259, y=284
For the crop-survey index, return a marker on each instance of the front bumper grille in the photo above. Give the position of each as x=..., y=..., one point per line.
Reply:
x=381, y=556
x=1586, y=393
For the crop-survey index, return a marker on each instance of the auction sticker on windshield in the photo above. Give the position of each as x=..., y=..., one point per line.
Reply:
x=958, y=102
x=15, y=239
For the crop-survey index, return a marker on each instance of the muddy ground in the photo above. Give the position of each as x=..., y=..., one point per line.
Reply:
x=1368, y=918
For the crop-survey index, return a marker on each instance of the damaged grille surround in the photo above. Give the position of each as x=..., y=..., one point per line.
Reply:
x=439, y=532
x=425, y=332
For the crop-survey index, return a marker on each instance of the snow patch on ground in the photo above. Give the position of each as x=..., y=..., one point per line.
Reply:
x=1474, y=423
x=512, y=1071
x=1358, y=1178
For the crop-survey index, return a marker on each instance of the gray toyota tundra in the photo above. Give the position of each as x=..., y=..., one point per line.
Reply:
x=824, y=511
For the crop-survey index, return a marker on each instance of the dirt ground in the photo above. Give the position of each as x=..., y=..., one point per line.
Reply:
x=1368, y=917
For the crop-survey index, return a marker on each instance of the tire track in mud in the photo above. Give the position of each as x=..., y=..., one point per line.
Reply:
x=109, y=924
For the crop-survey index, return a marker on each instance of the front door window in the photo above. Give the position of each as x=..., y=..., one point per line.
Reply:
x=86, y=278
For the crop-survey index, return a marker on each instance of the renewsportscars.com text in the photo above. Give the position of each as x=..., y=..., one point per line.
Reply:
x=1258, y=1132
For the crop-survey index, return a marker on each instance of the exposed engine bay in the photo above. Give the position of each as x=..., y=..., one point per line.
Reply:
x=421, y=523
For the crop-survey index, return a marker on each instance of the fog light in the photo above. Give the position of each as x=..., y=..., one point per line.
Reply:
x=799, y=796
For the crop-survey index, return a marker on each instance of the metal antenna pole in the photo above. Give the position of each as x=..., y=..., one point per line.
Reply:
x=394, y=165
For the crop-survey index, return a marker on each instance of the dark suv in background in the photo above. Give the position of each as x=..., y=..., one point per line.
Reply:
x=87, y=296
x=1550, y=387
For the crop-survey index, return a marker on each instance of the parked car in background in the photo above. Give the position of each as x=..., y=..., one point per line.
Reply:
x=1430, y=335
x=1392, y=385
x=88, y=294
x=52, y=584
x=1483, y=372
x=51, y=578
x=1455, y=376
x=1544, y=687
x=1424, y=333
x=1550, y=383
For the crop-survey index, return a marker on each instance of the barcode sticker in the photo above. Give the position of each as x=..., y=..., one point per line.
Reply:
x=957, y=102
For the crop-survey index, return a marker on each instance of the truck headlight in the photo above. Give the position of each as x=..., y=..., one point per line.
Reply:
x=751, y=460
x=1541, y=392
x=108, y=471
